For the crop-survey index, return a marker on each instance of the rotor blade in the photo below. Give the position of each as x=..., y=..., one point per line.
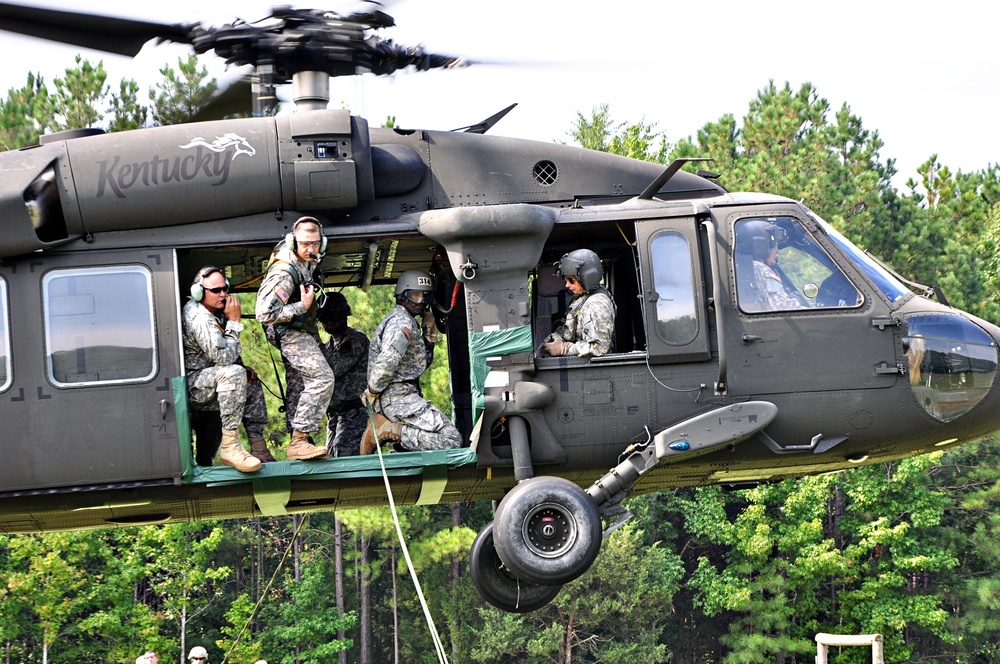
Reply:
x=236, y=99
x=102, y=33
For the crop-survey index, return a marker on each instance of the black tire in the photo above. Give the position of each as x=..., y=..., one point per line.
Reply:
x=547, y=531
x=497, y=585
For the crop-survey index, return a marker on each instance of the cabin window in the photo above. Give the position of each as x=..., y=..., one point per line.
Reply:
x=673, y=281
x=5, y=372
x=99, y=325
x=674, y=307
x=781, y=267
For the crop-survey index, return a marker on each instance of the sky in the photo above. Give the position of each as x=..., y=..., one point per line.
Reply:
x=923, y=75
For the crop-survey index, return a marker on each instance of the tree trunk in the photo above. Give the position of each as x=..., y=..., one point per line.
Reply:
x=569, y=639
x=184, y=620
x=395, y=610
x=338, y=561
x=297, y=562
x=456, y=578
x=367, y=648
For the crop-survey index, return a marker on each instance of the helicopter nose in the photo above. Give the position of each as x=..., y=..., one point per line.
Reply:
x=953, y=365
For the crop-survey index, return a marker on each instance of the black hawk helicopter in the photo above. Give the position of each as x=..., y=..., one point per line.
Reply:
x=725, y=367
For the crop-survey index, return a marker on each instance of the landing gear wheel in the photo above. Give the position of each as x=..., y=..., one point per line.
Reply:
x=497, y=585
x=547, y=531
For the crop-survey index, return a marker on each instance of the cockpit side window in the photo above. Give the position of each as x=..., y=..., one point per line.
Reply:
x=5, y=372
x=780, y=267
x=99, y=325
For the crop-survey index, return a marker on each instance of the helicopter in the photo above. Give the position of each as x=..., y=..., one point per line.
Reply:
x=710, y=378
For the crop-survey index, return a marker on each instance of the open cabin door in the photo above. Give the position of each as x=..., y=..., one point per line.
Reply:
x=91, y=342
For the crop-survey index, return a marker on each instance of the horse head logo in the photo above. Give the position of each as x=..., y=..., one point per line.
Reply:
x=239, y=144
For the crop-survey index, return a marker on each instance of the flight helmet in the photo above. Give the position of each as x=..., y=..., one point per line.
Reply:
x=758, y=237
x=583, y=264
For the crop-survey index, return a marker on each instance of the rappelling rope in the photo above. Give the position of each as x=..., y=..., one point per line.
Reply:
x=442, y=657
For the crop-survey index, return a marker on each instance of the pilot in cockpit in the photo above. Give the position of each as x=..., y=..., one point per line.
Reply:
x=590, y=320
x=768, y=287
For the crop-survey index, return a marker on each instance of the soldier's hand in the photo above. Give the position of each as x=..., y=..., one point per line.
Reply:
x=308, y=295
x=232, y=309
x=557, y=348
x=368, y=398
x=429, y=323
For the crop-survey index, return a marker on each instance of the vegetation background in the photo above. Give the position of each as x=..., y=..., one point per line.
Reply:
x=908, y=549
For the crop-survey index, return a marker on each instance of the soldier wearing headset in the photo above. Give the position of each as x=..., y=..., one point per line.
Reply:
x=287, y=305
x=216, y=377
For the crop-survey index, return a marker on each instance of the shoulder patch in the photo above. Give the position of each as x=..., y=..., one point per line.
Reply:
x=281, y=294
x=408, y=333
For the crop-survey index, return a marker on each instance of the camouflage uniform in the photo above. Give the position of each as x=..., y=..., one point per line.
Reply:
x=775, y=297
x=590, y=322
x=279, y=305
x=347, y=415
x=348, y=357
x=397, y=358
x=217, y=379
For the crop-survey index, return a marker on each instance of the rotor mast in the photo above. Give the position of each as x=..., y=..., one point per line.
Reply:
x=311, y=90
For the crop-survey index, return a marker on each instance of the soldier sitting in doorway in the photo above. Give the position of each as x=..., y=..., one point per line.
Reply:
x=590, y=321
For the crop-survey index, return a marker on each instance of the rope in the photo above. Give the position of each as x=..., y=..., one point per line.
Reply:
x=442, y=656
x=263, y=594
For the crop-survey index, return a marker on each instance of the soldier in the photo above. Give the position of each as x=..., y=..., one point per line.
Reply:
x=768, y=285
x=216, y=378
x=347, y=354
x=286, y=303
x=399, y=354
x=590, y=320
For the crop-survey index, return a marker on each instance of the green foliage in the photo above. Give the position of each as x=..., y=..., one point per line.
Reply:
x=304, y=625
x=20, y=112
x=599, y=132
x=78, y=97
x=127, y=112
x=182, y=93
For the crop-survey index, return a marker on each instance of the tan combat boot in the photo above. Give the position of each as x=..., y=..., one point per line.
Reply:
x=232, y=453
x=387, y=432
x=299, y=448
x=258, y=448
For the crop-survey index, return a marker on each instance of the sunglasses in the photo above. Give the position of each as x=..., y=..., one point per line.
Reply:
x=571, y=280
x=217, y=290
x=198, y=659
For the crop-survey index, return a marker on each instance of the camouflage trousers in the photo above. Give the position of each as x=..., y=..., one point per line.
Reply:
x=226, y=390
x=309, y=378
x=344, y=431
x=425, y=427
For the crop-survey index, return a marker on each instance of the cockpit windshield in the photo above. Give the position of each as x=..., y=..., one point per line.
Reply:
x=883, y=280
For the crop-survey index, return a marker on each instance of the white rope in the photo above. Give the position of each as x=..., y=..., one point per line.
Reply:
x=442, y=657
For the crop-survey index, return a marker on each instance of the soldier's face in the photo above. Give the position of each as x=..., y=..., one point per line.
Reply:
x=574, y=286
x=215, y=292
x=772, y=258
x=334, y=326
x=307, y=241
